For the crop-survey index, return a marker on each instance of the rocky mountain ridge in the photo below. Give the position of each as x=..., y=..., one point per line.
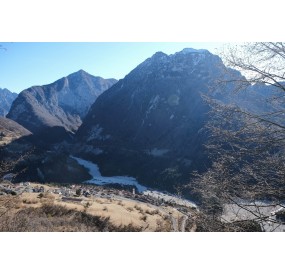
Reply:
x=63, y=103
x=150, y=124
x=6, y=100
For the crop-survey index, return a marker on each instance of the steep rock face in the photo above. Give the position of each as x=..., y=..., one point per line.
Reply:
x=63, y=103
x=149, y=124
x=6, y=100
x=153, y=102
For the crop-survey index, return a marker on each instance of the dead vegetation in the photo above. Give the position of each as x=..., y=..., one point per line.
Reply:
x=139, y=209
x=143, y=218
x=120, y=203
x=163, y=226
x=55, y=218
x=46, y=212
x=29, y=201
x=152, y=212
x=206, y=223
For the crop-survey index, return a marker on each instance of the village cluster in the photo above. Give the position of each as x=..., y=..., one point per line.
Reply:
x=78, y=192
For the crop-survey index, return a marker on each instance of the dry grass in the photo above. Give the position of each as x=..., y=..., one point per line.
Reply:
x=29, y=201
x=123, y=215
x=56, y=218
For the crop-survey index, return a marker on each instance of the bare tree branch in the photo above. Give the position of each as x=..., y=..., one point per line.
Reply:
x=247, y=147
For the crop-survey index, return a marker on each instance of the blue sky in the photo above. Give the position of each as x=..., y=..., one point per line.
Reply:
x=27, y=64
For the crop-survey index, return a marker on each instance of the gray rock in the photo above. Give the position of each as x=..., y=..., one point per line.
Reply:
x=63, y=103
x=6, y=100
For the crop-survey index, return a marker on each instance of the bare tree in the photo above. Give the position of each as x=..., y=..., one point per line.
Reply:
x=246, y=180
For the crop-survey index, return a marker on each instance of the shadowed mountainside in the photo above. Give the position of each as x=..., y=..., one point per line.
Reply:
x=63, y=103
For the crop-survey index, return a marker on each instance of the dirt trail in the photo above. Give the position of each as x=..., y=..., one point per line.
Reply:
x=183, y=223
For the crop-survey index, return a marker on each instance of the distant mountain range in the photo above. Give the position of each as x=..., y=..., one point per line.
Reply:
x=61, y=105
x=6, y=100
x=149, y=125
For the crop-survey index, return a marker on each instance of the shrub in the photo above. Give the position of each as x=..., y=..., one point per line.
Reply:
x=143, y=218
x=152, y=212
x=138, y=208
x=78, y=192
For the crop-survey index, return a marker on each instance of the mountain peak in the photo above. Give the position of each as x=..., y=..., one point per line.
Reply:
x=5, y=90
x=63, y=103
x=191, y=51
x=79, y=73
x=159, y=55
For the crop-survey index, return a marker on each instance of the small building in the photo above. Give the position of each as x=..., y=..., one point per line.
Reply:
x=29, y=190
x=57, y=191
